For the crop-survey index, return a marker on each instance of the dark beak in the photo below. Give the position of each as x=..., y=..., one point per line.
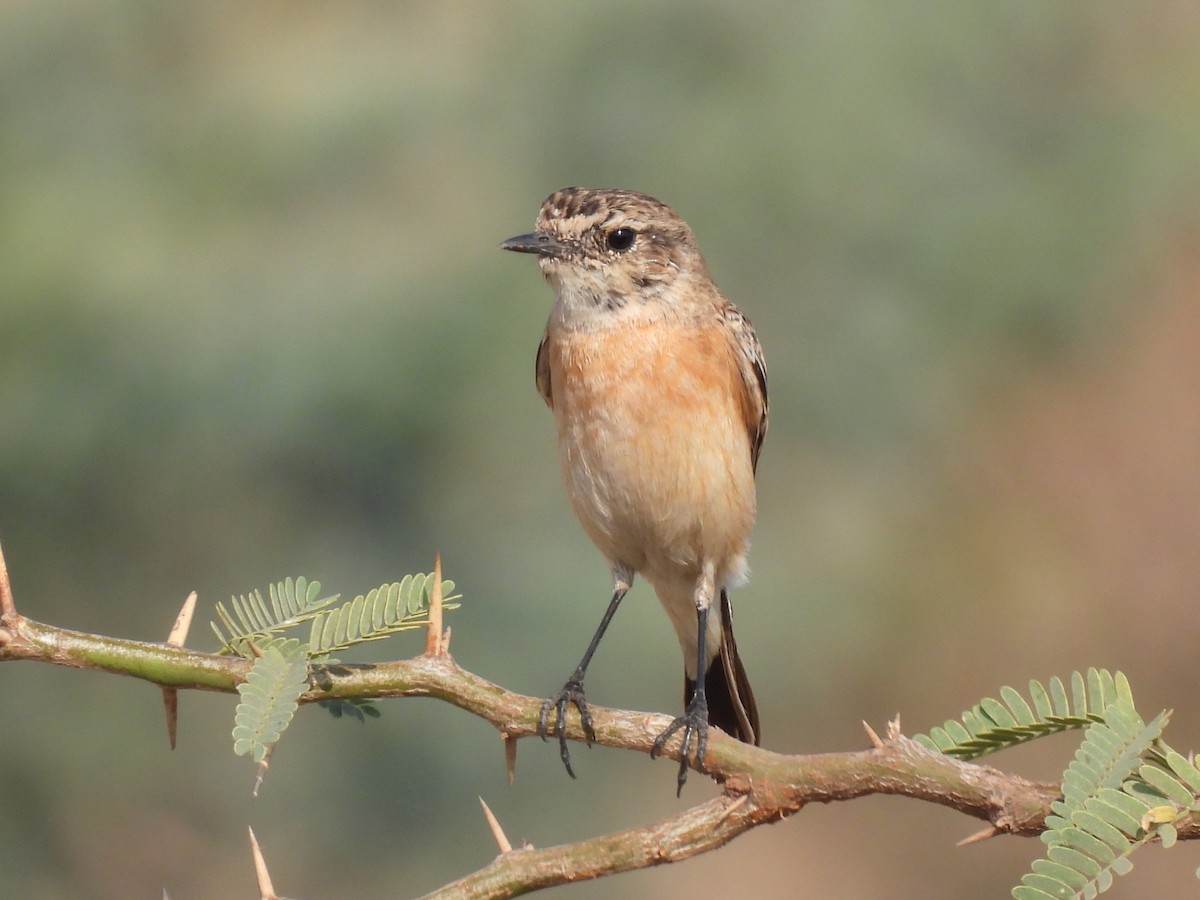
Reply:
x=537, y=242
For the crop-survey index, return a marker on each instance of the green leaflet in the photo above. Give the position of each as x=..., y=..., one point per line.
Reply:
x=383, y=611
x=1123, y=789
x=259, y=629
x=270, y=696
x=993, y=725
x=252, y=623
x=1109, y=807
x=250, y=620
x=352, y=708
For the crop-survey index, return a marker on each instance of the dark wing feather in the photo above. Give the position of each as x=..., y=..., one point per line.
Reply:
x=541, y=372
x=753, y=369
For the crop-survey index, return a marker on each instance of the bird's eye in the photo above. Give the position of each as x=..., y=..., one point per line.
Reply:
x=620, y=239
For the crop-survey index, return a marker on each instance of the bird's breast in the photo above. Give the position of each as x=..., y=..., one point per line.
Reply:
x=653, y=446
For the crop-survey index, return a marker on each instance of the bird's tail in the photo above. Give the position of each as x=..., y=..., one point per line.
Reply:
x=731, y=704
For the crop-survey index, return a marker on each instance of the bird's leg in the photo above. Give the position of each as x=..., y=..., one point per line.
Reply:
x=694, y=721
x=572, y=692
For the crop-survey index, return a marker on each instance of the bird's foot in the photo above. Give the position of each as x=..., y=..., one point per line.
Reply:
x=571, y=694
x=694, y=725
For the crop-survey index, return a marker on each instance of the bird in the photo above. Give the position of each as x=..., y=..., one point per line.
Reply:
x=658, y=387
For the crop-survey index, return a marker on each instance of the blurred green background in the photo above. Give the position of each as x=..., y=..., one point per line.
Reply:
x=255, y=324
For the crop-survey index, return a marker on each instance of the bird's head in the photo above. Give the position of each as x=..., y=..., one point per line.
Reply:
x=610, y=247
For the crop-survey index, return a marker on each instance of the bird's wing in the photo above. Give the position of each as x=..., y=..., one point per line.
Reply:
x=541, y=371
x=753, y=369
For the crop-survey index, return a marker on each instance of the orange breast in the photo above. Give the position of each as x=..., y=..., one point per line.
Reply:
x=653, y=444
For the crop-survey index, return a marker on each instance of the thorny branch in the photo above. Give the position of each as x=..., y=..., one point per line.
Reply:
x=760, y=786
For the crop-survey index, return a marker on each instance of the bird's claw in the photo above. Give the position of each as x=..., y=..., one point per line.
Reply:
x=694, y=724
x=571, y=695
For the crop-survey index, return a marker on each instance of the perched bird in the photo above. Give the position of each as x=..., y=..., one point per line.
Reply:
x=659, y=393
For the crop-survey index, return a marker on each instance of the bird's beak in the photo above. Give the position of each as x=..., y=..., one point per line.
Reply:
x=538, y=242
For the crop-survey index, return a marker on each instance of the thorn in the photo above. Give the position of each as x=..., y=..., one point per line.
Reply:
x=893, y=729
x=497, y=832
x=510, y=758
x=183, y=622
x=254, y=648
x=433, y=638
x=266, y=890
x=7, y=607
x=876, y=740
x=171, y=711
x=979, y=837
x=179, y=631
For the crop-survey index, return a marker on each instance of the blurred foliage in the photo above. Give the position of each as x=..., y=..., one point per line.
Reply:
x=254, y=322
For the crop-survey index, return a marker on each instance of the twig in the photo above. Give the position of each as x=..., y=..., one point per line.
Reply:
x=697, y=830
x=760, y=786
x=778, y=782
